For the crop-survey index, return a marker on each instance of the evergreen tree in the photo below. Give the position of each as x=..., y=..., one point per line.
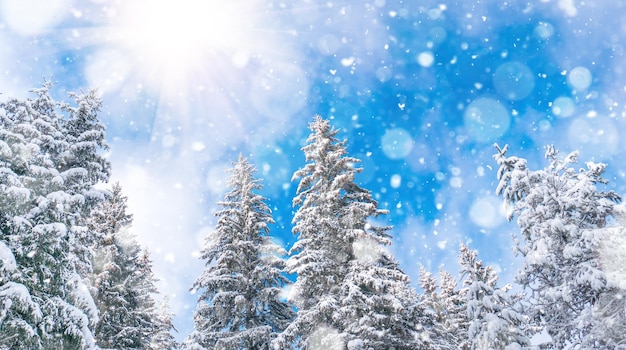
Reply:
x=123, y=281
x=494, y=323
x=86, y=137
x=563, y=219
x=444, y=306
x=378, y=308
x=609, y=311
x=46, y=227
x=84, y=165
x=19, y=313
x=239, y=305
x=163, y=339
x=148, y=315
x=341, y=298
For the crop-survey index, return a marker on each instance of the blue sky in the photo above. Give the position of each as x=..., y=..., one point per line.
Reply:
x=421, y=90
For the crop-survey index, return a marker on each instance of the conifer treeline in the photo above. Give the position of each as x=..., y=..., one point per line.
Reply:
x=349, y=292
x=72, y=275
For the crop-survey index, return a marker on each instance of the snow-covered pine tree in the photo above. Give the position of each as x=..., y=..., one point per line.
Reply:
x=85, y=133
x=145, y=287
x=239, y=305
x=563, y=219
x=44, y=232
x=163, y=339
x=123, y=281
x=84, y=165
x=19, y=313
x=335, y=291
x=428, y=301
x=443, y=306
x=494, y=322
x=378, y=308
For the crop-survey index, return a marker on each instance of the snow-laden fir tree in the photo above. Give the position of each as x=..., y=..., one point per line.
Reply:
x=342, y=300
x=85, y=133
x=609, y=311
x=46, y=229
x=443, y=306
x=85, y=162
x=378, y=308
x=563, y=219
x=19, y=313
x=494, y=321
x=123, y=281
x=239, y=302
x=147, y=291
x=163, y=338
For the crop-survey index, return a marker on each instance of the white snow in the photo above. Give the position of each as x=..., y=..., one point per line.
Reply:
x=613, y=257
x=7, y=258
x=18, y=193
x=326, y=338
x=11, y=292
x=367, y=250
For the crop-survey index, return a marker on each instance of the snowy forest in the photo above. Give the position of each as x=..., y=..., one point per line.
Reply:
x=73, y=276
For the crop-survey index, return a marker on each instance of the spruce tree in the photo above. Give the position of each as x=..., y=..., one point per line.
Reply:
x=148, y=313
x=444, y=306
x=19, y=313
x=378, y=308
x=163, y=339
x=123, y=281
x=563, y=218
x=494, y=321
x=45, y=231
x=85, y=133
x=341, y=298
x=239, y=302
x=85, y=164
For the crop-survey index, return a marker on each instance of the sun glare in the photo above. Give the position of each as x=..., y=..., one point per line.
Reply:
x=219, y=64
x=178, y=37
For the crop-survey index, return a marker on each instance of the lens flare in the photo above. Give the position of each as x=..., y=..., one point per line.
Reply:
x=172, y=41
x=204, y=67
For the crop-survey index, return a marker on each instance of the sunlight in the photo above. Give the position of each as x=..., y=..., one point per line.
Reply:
x=201, y=66
x=173, y=39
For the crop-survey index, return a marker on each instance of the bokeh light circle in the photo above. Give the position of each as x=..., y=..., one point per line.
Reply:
x=280, y=91
x=563, y=107
x=544, y=31
x=513, y=81
x=328, y=44
x=487, y=212
x=486, y=119
x=598, y=137
x=425, y=59
x=397, y=143
x=579, y=78
x=32, y=17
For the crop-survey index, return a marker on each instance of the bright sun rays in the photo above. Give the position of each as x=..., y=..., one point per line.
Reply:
x=209, y=65
x=171, y=42
x=230, y=71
